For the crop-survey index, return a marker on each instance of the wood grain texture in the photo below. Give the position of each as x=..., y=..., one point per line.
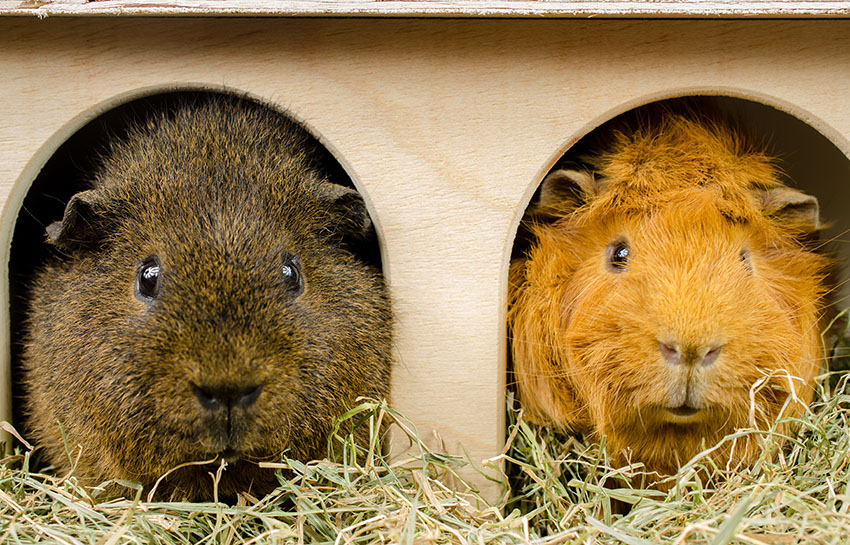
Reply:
x=437, y=8
x=447, y=127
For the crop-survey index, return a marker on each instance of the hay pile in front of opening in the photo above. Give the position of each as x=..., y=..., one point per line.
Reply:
x=561, y=492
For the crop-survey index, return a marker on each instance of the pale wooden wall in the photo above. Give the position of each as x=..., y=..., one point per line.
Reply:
x=446, y=126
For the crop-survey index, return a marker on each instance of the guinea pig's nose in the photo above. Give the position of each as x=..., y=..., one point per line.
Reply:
x=212, y=398
x=689, y=354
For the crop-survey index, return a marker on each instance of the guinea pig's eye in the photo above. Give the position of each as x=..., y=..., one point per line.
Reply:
x=147, y=278
x=745, y=259
x=291, y=273
x=618, y=256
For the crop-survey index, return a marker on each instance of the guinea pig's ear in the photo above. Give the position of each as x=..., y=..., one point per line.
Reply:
x=354, y=220
x=564, y=190
x=81, y=226
x=791, y=207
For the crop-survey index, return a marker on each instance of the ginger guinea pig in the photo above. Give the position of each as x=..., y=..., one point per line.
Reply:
x=207, y=304
x=667, y=280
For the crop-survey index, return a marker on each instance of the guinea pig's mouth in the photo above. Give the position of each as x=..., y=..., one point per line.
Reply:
x=683, y=411
x=229, y=454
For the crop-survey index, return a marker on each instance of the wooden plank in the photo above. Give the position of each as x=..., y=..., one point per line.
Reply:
x=447, y=126
x=439, y=8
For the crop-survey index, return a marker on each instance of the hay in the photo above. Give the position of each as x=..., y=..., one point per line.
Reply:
x=563, y=490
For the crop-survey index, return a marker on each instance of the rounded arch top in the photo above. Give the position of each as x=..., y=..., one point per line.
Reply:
x=839, y=140
x=814, y=155
x=123, y=109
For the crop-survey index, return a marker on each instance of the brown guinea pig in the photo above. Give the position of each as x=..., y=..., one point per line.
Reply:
x=670, y=294
x=207, y=305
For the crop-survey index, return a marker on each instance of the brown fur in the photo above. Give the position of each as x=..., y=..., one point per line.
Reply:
x=220, y=191
x=717, y=258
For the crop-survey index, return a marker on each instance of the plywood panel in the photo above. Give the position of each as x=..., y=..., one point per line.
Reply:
x=447, y=126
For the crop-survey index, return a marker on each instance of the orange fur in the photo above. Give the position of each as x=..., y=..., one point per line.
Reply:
x=716, y=259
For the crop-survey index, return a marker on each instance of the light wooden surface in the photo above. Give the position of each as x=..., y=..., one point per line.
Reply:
x=447, y=127
x=435, y=8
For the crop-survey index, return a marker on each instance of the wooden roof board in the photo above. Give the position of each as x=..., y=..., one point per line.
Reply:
x=427, y=8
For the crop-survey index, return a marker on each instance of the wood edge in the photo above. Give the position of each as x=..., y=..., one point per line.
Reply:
x=417, y=8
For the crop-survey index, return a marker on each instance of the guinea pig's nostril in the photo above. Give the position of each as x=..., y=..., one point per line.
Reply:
x=711, y=355
x=207, y=398
x=670, y=352
x=249, y=396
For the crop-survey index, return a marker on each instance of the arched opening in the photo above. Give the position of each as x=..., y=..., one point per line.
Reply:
x=812, y=164
x=69, y=170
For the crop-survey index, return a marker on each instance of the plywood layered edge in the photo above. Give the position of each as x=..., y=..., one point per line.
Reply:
x=457, y=8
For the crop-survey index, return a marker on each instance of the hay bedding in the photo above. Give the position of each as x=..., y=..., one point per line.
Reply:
x=562, y=490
